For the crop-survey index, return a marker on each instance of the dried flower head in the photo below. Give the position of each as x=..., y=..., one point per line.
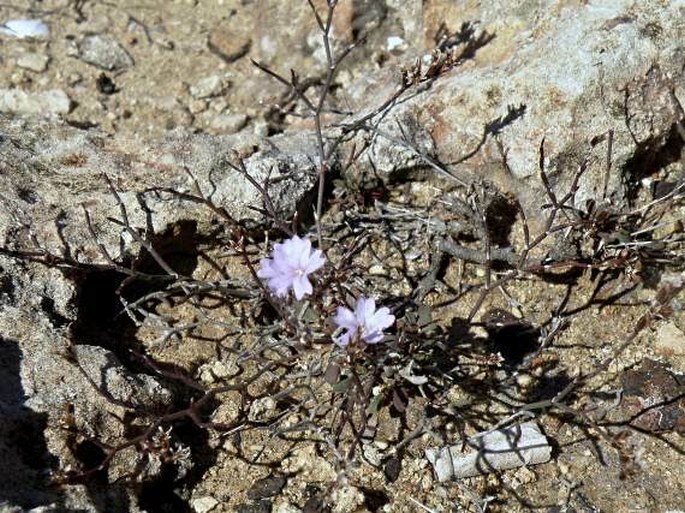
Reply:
x=290, y=266
x=365, y=319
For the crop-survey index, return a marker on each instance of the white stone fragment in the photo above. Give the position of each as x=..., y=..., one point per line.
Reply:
x=396, y=43
x=18, y=101
x=33, y=61
x=213, y=85
x=204, y=504
x=670, y=340
x=512, y=447
x=25, y=28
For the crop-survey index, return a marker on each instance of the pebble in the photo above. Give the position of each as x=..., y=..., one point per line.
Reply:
x=18, y=101
x=33, y=61
x=392, y=469
x=501, y=449
x=227, y=44
x=347, y=498
x=104, y=52
x=654, y=397
x=197, y=106
x=204, y=504
x=396, y=44
x=262, y=409
x=25, y=29
x=266, y=487
x=286, y=507
x=670, y=340
x=257, y=507
x=228, y=123
x=372, y=455
x=207, y=87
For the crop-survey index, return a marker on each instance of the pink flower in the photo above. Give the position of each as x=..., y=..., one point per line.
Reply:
x=289, y=268
x=365, y=319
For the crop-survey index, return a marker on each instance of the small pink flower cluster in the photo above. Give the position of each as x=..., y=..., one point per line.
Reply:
x=289, y=268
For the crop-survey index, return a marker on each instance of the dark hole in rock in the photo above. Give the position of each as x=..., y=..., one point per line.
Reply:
x=101, y=318
x=315, y=504
x=30, y=443
x=514, y=338
x=160, y=496
x=90, y=455
x=28, y=195
x=374, y=500
x=6, y=287
x=48, y=306
x=651, y=156
x=500, y=216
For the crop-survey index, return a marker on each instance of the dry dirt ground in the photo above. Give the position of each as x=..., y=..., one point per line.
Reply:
x=189, y=67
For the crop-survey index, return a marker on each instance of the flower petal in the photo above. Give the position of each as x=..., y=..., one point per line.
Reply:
x=345, y=318
x=315, y=261
x=301, y=287
x=373, y=337
x=381, y=319
x=266, y=269
x=279, y=285
x=344, y=339
x=364, y=310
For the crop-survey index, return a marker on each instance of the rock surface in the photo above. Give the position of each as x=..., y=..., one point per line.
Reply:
x=564, y=74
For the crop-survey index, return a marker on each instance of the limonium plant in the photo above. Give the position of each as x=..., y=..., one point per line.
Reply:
x=365, y=321
x=290, y=266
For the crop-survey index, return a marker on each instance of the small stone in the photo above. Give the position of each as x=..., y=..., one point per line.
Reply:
x=104, y=52
x=257, y=507
x=219, y=104
x=525, y=475
x=228, y=123
x=74, y=79
x=22, y=29
x=222, y=370
x=392, y=469
x=197, y=106
x=347, y=498
x=670, y=340
x=207, y=87
x=204, y=504
x=502, y=449
x=654, y=397
x=396, y=44
x=286, y=507
x=18, y=101
x=262, y=409
x=227, y=44
x=372, y=455
x=267, y=487
x=33, y=61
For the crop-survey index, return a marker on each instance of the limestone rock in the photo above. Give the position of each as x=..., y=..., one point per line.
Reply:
x=104, y=52
x=17, y=101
